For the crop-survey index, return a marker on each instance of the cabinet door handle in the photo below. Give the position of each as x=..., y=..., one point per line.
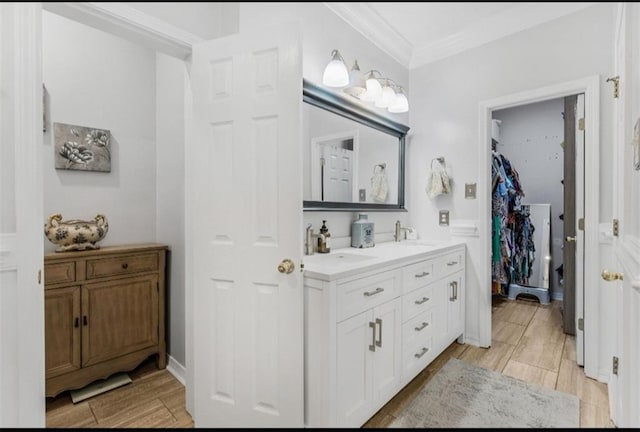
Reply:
x=372, y=347
x=84, y=320
x=455, y=290
x=423, y=274
x=76, y=324
x=451, y=263
x=370, y=293
x=424, y=299
x=452, y=297
x=379, y=341
x=422, y=327
x=423, y=352
x=125, y=266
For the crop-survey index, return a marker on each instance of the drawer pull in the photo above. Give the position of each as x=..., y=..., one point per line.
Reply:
x=372, y=347
x=125, y=266
x=379, y=341
x=370, y=293
x=423, y=274
x=423, y=352
x=422, y=327
x=424, y=300
x=452, y=263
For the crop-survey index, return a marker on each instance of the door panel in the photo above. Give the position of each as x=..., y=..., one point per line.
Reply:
x=387, y=359
x=246, y=168
x=62, y=330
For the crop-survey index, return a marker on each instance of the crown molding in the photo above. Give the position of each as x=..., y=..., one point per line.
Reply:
x=123, y=20
x=371, y=25
x=506, y=23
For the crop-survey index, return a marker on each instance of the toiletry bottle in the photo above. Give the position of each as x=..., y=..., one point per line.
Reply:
x=324, y=241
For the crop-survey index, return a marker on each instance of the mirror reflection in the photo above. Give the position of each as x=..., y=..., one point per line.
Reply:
x=346, y=161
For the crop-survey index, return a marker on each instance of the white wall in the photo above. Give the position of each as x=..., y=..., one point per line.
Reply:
x=99, y=80
x=317, y=43
x=444, y=114
x=530, y=137
x=170, y=148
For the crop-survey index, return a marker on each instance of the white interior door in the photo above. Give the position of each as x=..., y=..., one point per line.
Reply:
x=580, y=236
x=22, y=402
x=246, y=161
x=624, y=386
x=337, y=175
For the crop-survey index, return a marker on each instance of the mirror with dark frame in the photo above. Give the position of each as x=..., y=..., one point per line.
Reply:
x=353, y=157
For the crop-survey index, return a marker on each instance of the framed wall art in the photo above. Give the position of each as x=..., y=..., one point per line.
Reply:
x=82, y=148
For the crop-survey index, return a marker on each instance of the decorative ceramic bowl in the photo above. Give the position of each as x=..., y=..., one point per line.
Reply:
x=75, y=234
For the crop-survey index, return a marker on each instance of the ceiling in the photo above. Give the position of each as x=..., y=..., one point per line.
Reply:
x=417, y=33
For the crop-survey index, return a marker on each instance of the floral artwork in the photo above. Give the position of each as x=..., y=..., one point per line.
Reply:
x=82, y=148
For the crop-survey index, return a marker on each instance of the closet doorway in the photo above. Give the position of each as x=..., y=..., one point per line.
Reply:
x=587, y=281
x=537, y=196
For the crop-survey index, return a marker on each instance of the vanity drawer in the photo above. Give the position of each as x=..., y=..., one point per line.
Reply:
x=121, y=265
x=416, y=358
x=359, y=295
x=418, y=274
x=451, y=263
x=417, y=301
x=59, y=272
x=417, y=329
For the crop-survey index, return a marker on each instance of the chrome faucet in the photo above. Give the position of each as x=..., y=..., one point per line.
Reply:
x=399, y=232
x=309, y=249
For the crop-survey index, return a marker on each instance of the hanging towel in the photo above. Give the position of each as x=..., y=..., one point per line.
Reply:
x=379, y=185
x=439, y=180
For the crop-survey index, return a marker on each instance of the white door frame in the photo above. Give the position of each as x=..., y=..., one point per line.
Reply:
x=115, y=18
x=590, y=86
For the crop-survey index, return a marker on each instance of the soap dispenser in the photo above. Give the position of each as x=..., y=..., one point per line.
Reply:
x=324, y=239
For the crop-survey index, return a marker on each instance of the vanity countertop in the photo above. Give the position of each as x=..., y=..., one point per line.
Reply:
x=347, y=262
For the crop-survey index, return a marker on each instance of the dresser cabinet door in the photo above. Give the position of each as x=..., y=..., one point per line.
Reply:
x=62, y=330
x=118, y=317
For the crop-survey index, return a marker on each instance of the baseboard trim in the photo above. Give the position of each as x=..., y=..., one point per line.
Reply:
x=177, y=370
x=603, y=376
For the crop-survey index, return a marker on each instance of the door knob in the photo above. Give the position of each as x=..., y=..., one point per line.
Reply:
x=286, y=266
x=611, y=276
x=570, y=239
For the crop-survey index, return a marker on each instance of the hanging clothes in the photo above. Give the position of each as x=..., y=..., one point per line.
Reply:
x=512, y=232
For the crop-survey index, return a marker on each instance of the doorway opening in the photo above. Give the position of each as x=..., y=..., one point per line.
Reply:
x=586, y=292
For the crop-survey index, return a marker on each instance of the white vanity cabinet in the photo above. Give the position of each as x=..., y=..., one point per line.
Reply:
x=371, y=325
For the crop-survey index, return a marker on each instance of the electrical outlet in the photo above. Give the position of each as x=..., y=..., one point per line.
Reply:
x=444, y=217
x=470, y=190
x=363, y=195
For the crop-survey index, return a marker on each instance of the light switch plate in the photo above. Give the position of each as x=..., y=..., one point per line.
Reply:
x=470, y=190
x=444, y=217
x=363, y=195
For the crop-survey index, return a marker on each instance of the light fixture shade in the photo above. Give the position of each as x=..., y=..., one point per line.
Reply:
x=336, y=73
x=356, y=82
x=401, y=103
x=374, y=89
x=387, y=97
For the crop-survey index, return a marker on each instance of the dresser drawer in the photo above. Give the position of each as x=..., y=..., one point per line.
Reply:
x=451, y=263
x=121, y=265
x=359, y=295
x=59, y=272
x=418, y=274
x=417, y=329
x=417, y=301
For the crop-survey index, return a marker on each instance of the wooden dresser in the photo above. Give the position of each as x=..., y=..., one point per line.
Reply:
x=104, y=313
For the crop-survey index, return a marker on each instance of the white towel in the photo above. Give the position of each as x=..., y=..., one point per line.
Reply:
x=439, y=180
x=379, y=185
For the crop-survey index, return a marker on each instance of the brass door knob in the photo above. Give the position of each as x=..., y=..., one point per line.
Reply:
x=286, y=266
x=570, y=239
x=611, y=276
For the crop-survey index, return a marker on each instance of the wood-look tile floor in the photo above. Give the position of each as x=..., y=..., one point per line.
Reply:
x=154, y=398
x=528, y=343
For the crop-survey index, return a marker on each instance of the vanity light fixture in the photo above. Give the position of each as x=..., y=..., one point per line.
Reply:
x=336, y=73
x=381, y=91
